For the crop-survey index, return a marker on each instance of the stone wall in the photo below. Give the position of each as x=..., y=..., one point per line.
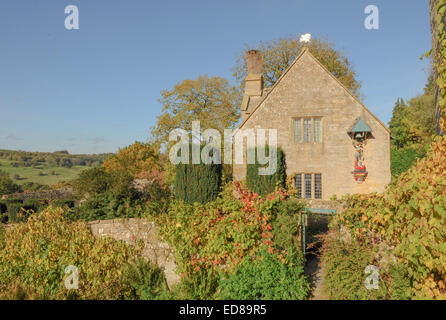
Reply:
x=132, y=230
x=58, y=194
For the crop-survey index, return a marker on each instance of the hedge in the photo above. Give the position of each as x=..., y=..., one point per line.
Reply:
x=197, y=182
x=265, y=184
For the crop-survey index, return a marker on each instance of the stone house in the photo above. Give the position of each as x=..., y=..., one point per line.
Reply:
x=333, y=144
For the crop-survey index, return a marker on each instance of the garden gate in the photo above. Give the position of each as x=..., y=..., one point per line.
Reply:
x=324, y=213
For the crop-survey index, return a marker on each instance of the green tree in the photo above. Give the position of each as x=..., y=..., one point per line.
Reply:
x=421, y=120
x=279, y=54
x=413, y=122
x=92, y=181
x=399, y=130
x=7, y=185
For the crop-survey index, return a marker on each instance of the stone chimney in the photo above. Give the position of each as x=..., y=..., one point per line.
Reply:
x=253, y=81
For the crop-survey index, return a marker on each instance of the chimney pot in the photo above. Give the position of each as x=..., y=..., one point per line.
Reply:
x=254, y=62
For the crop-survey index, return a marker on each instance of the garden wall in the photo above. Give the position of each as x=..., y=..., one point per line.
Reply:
x=59, y=194
x=131, y=230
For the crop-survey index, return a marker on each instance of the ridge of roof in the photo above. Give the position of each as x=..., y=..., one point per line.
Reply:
x=306, y=50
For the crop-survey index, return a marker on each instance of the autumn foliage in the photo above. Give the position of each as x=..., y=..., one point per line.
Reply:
x=222, y=233
x=134, y=160
x=411, y=217
x=34, y=255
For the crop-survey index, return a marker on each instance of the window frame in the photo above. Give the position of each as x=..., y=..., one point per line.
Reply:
x=298, y=185
x=301, y=138
x=316, y=192
x=306, y=186
x=312, y=130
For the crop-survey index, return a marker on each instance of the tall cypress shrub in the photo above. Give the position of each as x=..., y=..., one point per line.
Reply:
x=197, y=182
x=265, y=184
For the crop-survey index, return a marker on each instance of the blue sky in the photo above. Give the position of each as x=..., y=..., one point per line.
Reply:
x=96, y=89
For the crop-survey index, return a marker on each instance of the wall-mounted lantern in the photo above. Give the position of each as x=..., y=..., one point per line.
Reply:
x=359, y=134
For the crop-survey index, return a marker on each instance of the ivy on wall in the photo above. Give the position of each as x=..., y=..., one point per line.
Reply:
x=440, y=62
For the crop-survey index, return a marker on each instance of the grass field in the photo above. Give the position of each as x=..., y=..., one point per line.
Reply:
x=44, y=174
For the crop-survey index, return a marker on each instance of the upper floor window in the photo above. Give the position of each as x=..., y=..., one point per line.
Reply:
x=308, y=130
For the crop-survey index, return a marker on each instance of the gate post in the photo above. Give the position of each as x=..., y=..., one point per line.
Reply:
x=304, y=222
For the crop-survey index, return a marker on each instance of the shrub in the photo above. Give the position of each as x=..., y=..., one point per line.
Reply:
x=147, y=280
x=199, y=285
x=221, y=232
x=121, y=186
x=11, y=200
x=7, y=185
x=2, y=237
x=4, y=204
x=36, y=253
x=106, y=206
x=35, y=205
x=92, y=181
x=16, y=213
x=265, y=184
x=217, y=236
x=265, y=278
x=344, y=266
x=286, y=228
x=402, y=160
x=158, y=198
x=19, y=210
x=197, y=182
x=63, y=203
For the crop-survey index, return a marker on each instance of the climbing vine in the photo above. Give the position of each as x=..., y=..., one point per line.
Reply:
x=410, y=217
x=440, y=62
x=223, y=232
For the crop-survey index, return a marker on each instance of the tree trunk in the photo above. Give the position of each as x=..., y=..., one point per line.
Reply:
x=434, y=31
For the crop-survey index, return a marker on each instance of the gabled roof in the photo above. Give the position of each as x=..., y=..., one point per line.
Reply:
x=307, y=51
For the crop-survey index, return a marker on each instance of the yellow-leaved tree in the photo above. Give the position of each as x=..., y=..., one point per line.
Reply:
x=210, y=100
x=133, y=160
x=279, y=54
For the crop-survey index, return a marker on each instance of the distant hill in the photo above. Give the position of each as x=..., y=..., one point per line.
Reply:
x=46, y=168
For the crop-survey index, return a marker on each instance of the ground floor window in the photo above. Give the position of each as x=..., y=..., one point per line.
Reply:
x=309, y=185
x=308, y=194
x=299, y=185
x=318, y=186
